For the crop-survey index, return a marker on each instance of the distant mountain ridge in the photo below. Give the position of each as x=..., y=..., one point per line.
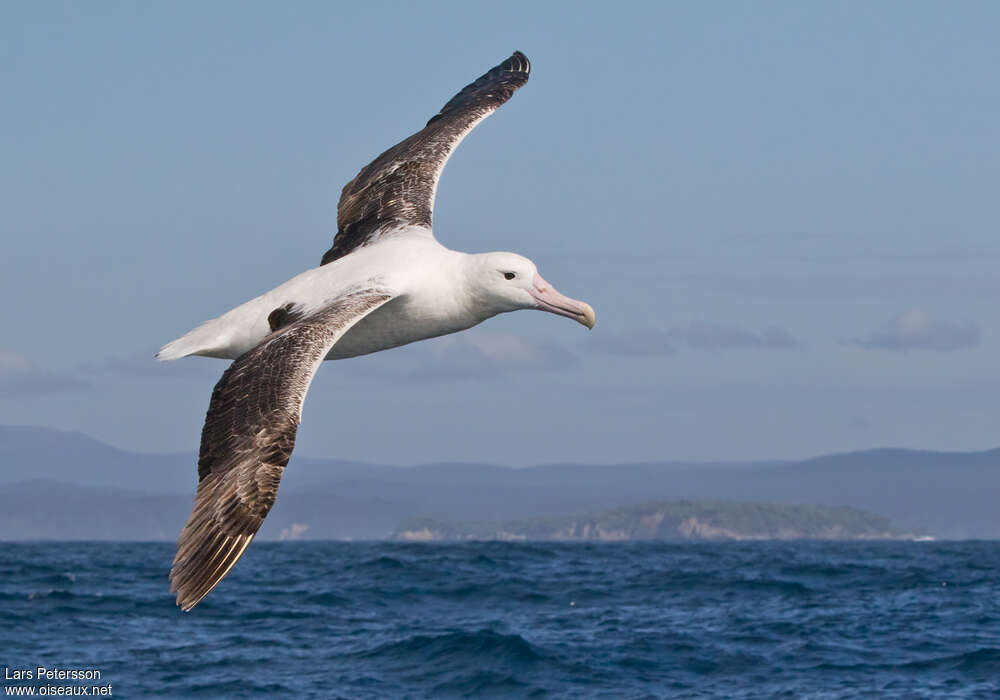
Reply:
x=946, y=494
x=29, y=452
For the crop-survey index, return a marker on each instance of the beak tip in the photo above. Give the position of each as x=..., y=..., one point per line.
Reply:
x=588, y=317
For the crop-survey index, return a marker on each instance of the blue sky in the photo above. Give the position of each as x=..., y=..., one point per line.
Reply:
x=784, y=214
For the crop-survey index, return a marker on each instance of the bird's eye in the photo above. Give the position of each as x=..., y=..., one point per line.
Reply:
x=509, y=275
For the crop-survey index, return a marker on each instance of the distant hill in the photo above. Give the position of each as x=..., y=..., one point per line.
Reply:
x=28, y=452
x=100, y=490
x=716, y=520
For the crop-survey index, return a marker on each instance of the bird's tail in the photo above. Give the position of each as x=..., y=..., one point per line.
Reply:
x=207, y=339
x=176, y=349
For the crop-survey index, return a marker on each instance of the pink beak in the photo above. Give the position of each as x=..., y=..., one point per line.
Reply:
x=548, y=299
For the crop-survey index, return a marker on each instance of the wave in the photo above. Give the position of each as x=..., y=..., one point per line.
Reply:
x=984, y=659
x=457, y=646
x=379, y=563
x=326, y=600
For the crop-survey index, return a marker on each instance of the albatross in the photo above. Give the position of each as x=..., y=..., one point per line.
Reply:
x=385, y=282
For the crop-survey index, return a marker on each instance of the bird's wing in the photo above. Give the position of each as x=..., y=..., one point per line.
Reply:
x=397, y=189
x=248, y=438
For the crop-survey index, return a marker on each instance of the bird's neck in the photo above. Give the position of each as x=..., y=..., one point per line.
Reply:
x=475, y=297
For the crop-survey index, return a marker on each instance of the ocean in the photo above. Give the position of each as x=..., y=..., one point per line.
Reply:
x=633, y=620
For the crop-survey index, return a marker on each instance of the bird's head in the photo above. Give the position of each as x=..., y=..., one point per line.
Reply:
x=509, y=282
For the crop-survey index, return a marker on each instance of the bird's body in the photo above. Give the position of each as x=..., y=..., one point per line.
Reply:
x=385, y=282
x=428, y=281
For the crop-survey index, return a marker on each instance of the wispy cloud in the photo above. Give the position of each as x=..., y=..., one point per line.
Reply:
x=142, y=365
x=917, y=330
x=697, y=335
x=642, y=342
x=22, y=378
x=859, y=424
x=466, y=356
x=705, y=335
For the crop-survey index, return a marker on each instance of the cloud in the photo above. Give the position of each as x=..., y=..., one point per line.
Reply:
x=21, y=378
x=466, y=356
x=643, y=342
x=705, y=335
x=917, y=330
x=698, y=335
x=142, y=365
x=859, y=424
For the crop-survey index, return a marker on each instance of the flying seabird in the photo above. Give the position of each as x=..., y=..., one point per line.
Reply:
x=385, y=282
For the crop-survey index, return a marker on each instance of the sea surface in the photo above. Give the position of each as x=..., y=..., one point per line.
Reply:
x=636, y=620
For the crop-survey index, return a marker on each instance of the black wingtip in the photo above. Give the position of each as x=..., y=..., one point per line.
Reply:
x=518, y=63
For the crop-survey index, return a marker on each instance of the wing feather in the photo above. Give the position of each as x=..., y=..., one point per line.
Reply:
x=397, y=189
x=248, y=439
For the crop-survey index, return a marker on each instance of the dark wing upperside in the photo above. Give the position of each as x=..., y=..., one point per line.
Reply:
x=397, y=188
x=248, y=438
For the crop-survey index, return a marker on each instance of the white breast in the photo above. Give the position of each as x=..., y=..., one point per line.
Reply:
x=406, y=319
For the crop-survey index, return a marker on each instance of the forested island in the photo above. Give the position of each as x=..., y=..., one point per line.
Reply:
x=669, y=520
